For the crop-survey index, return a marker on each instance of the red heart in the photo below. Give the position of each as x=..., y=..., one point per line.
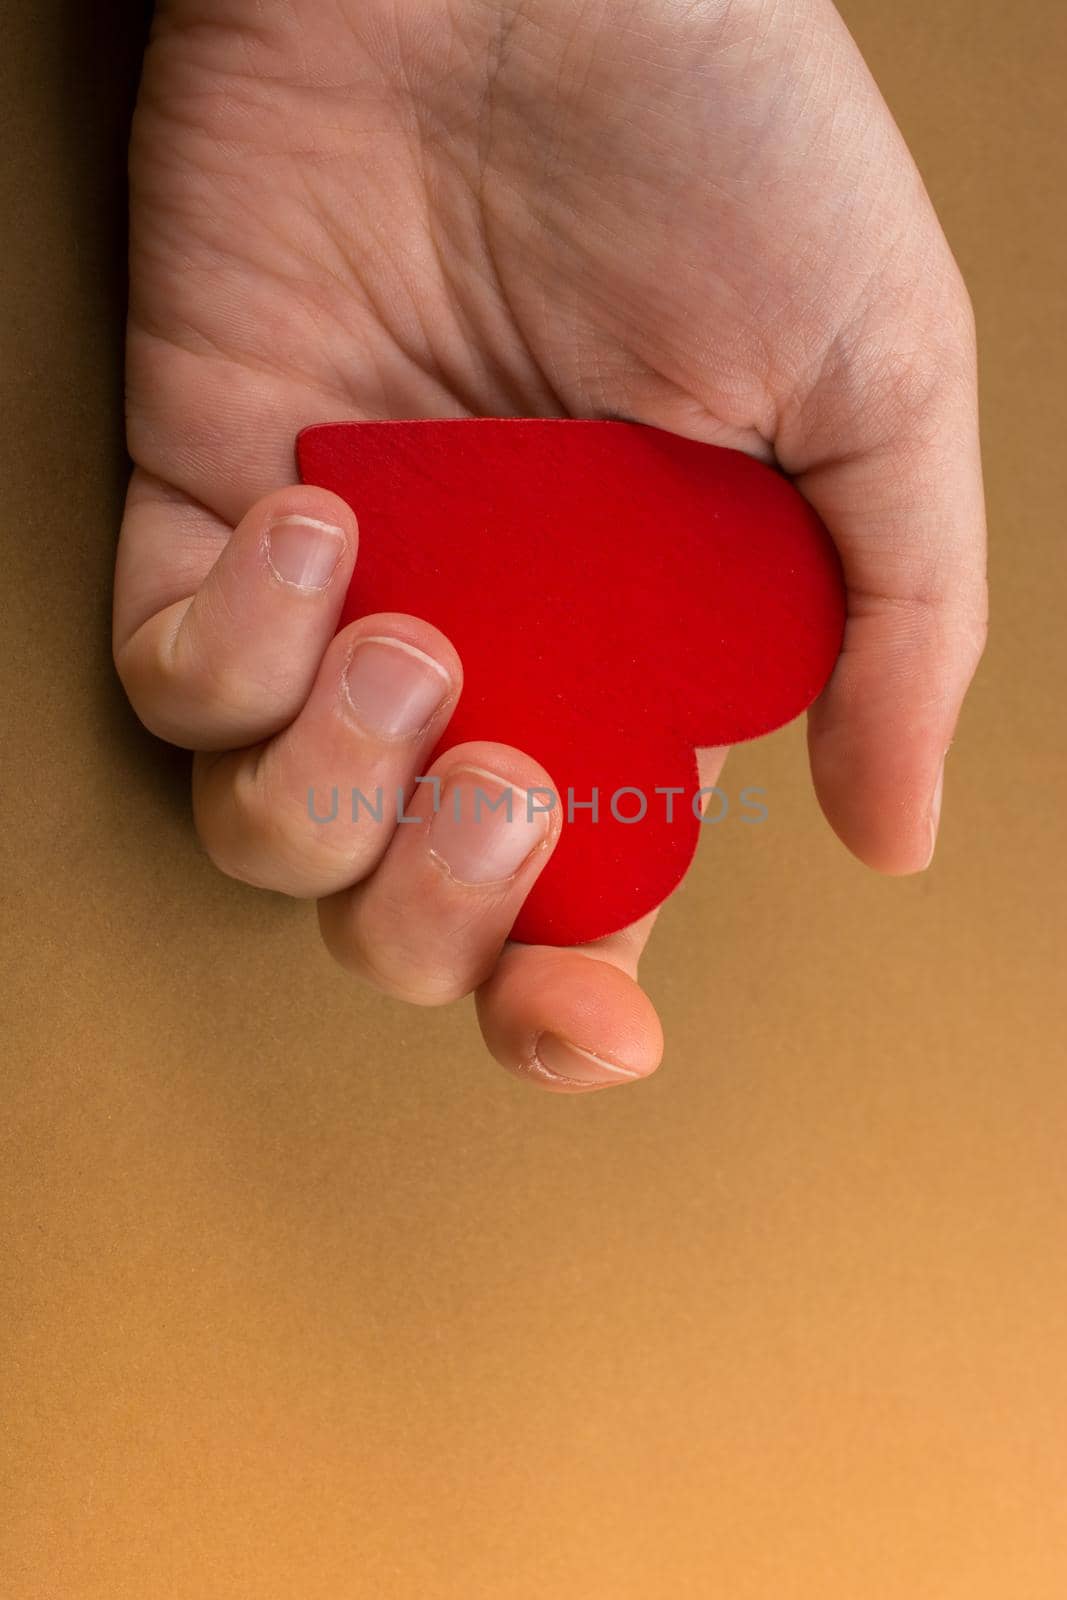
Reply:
x=618, y=595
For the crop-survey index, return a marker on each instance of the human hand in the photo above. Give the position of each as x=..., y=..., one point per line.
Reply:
x=699, y=217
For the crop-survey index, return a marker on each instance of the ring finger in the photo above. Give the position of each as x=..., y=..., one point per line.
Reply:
x=429, y=924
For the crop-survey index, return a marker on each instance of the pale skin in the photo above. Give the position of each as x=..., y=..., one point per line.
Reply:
x=699, y=216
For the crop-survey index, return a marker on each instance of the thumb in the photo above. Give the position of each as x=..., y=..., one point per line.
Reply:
x=888, y=453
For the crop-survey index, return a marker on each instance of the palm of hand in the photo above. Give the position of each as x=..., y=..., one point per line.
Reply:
x=377, y=211
x=532, y=214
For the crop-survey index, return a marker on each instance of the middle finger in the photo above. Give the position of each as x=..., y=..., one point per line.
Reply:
x=313, y=810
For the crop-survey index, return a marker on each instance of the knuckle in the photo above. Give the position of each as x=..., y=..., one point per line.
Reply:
x=179, y=689
x=172, y=689
x=227, y=833
x=139, y=678
x=218, y=685
x=257, y=826
x=309, y=827
x=419, y=982
x=235, y=825
x=389, y=963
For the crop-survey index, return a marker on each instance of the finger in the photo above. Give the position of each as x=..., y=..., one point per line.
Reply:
x=429, y=924
x=218, y=643
x=901, y=491
x=312, y=810
x=575, y=1020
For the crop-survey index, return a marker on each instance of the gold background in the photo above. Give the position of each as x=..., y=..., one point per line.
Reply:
x=302, y=1298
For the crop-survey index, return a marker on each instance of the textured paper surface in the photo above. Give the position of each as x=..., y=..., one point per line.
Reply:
x=300, y=1297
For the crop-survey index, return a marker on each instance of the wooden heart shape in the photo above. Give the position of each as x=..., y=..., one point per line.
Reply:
x=618, y=596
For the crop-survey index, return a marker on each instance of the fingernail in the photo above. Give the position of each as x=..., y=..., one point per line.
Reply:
x=303, y=552
x=393, y=688
x=935, y=810
x=484, y=828
x=556, y=1060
